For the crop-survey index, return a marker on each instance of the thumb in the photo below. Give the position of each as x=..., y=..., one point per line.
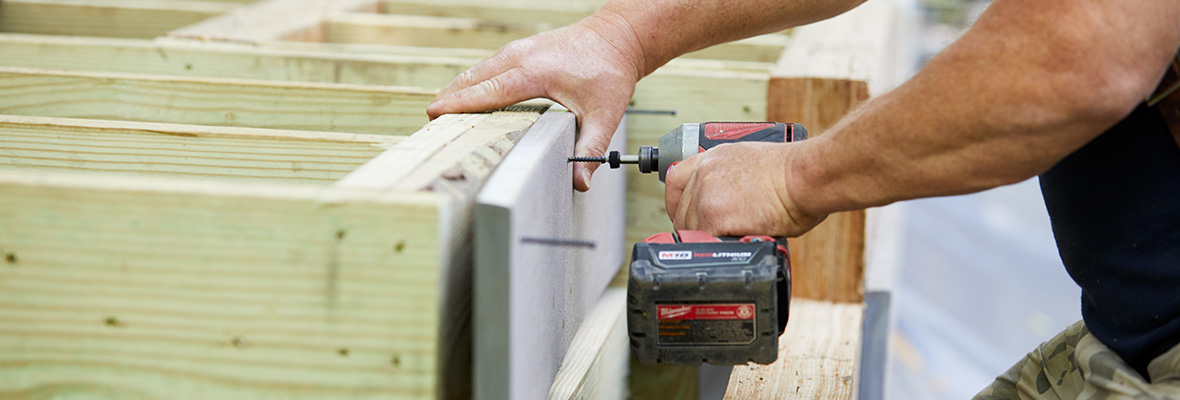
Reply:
x=676, y=181
x=593, y=141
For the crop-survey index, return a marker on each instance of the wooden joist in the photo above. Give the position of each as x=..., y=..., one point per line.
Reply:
x=255, y=287
x=555, y=13
x=213, y=101
x=40, y=144
x=270, y=20
x=143, y=19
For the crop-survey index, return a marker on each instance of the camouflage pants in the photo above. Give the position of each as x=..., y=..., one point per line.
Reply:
x=1075, y=365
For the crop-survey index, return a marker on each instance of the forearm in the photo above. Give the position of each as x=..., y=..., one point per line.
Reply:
x=1029, y=84
x=666, y=29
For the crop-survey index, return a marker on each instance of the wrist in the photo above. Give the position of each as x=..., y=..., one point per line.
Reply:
x=803, y=180
x=617, y=31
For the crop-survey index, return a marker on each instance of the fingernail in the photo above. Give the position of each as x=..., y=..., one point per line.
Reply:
x=586, y=178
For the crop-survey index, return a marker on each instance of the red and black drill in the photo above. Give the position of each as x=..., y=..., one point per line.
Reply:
x=696, y=298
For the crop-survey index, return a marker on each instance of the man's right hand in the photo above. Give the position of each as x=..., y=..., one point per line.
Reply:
x=590, y=67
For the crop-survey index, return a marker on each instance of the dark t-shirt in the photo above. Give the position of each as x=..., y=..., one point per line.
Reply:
x=1115, y=209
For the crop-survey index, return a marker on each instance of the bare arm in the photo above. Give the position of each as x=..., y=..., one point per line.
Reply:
x=1030, y=83
x=591, y=67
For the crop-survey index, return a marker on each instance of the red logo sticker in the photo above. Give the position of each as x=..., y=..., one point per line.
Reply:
x=706, y=311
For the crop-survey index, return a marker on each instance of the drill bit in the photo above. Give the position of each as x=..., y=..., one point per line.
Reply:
x=599, y=160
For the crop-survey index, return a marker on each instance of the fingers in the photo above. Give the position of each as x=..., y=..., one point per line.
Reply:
x=499, y=91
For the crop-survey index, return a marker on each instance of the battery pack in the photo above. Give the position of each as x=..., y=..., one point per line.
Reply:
x=695, y=298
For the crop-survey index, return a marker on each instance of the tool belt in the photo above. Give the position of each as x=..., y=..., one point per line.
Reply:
x=1166, y=98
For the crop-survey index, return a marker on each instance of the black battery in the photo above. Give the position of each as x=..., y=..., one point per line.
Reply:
x=695, y=298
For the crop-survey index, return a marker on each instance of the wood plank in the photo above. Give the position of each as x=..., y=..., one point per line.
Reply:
x=455, y=32
x=764, y=48
x=595, y=367
x=269, y=20
x=556, y=14
x=161, y=288
x=213, y=101
x=225, y=60
x=450, y=156
x=423, y=31
x=818, y=356
x=40, y=144
x=109, y=18
x=523, y=280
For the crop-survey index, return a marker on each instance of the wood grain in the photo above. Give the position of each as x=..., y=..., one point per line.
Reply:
x=818, y=356
x=595, y=367
x=133, y=287
x=143, y=19
x=557, y=14
x=40, y=144
x=228, y=60
x=214, y=101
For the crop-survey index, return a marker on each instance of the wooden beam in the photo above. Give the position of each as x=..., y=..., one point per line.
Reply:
x=456, y=32
x=269, y=20
x=134, y=287
x=525, y=277
x=226, y=60
x=451, y=156
x=110, y=18
x=595, y=367
x=214, y=101
x=39, y=144
x=555, y=14
x=818, y=356
x=765, y=48
x=423, y=31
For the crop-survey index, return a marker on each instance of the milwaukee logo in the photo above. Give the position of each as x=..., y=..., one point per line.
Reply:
x=674, y=312
x=675, y=255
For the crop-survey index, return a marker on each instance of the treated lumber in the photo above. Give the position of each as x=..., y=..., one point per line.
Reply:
x=214, y=101
x=818, y=356
x=137, y=287
x=554, y=13
x=595, y=367
x=109, y=18
x=544, y=254
x=40, y=144
x=423, y=31
x=456, y=32
x=226, y=60
x=269, y=20
x=450, y=156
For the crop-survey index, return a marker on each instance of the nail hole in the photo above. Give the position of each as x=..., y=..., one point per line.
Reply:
x=343, y=352
x=112, y=321
x=399, y=246
x=746, y=109
x=10, y=258
x=397, y=361
x=340, y=234
x=188, y=67
x=239, y=342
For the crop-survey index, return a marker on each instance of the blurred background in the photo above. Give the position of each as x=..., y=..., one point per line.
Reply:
x=975, y=281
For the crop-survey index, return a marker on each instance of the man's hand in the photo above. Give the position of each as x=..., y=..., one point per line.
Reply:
x=590, y=68
x=736, y=189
